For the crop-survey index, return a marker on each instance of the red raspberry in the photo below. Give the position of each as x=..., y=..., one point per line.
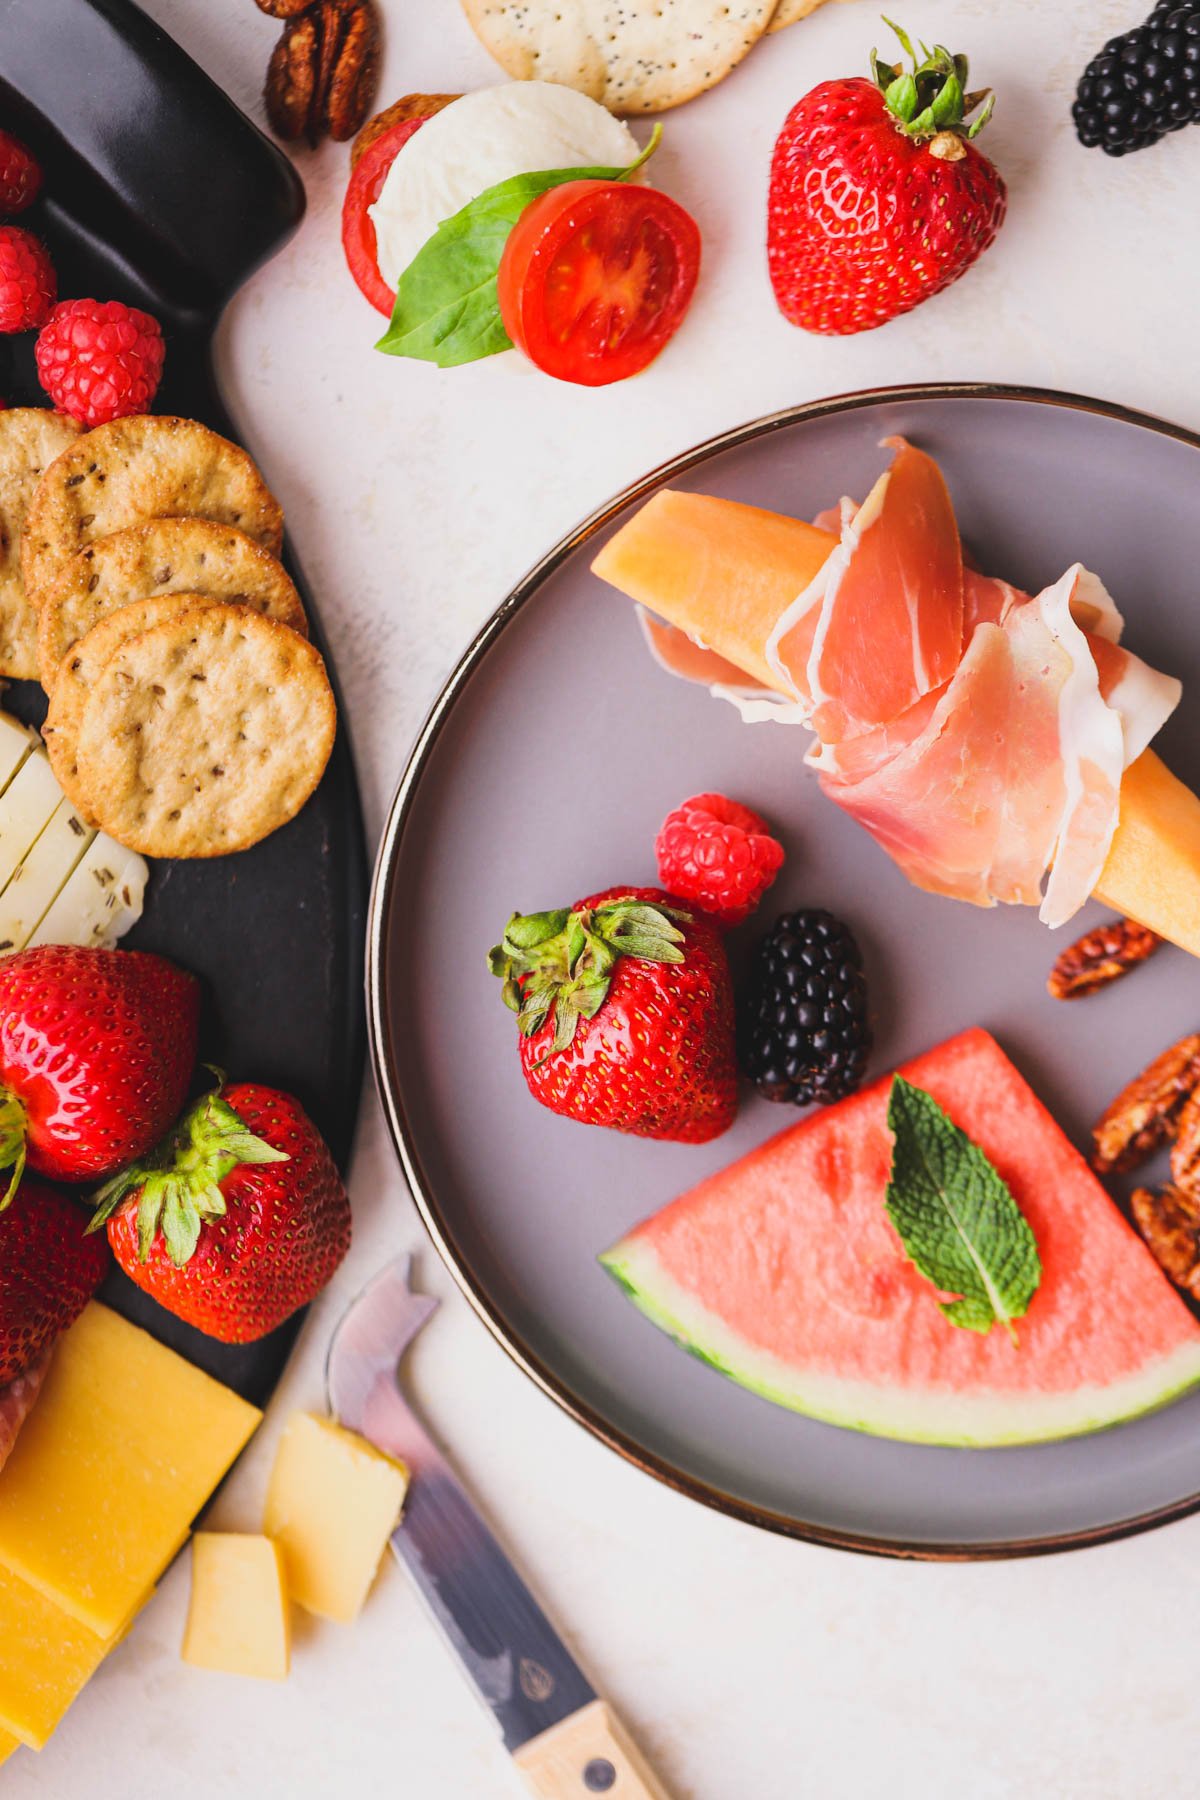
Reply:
x=718, y=855
x=28, y=283
x=100, y=359
x=20, y=175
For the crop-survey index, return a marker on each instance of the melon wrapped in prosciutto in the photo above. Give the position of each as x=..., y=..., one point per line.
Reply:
x=980, y=734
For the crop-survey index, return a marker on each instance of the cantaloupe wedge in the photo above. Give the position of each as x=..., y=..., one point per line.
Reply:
x=1153, y=869
x=724, y=572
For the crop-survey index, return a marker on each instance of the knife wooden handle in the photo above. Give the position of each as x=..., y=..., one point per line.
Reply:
x=585, y=1755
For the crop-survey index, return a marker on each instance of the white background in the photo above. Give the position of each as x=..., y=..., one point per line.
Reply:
x=750, y=1667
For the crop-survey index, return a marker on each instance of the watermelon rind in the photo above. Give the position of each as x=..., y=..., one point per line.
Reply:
x=974, y=1420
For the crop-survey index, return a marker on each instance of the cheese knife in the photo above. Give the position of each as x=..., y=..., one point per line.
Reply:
x=563, y=1739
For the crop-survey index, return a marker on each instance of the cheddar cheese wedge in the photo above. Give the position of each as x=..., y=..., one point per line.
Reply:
x=46, y=1657
x=124, y=1447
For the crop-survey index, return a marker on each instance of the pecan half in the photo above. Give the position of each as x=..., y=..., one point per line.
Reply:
x=409, y=106
x=1102, y=956
x=353, y=61
x=291, y=86
x=283, y=9
x=1185, y=1151
x=1144, y=1115
x=1170, y=1224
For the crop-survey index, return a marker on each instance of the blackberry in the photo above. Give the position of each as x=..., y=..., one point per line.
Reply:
x=805, y=1035
x=1142, y=84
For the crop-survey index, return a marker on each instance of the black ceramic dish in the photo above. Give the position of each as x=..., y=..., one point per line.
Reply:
x=161, y=193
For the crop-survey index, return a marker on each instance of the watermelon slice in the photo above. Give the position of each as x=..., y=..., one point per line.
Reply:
x=784, y=1272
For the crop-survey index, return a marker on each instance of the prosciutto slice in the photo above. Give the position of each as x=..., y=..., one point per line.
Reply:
x=16, y=1402
x=881, y=625
x=979, y=733
x=1014, y=769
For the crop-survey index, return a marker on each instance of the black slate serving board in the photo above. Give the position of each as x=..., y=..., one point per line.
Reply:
x=159, y=192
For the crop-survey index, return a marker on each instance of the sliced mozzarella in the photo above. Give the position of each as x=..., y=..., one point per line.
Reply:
x=100, y=901
x=26, y=807
x=482, y=139
x=37, y=881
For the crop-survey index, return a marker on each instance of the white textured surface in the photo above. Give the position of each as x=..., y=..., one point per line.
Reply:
x=751, y=1668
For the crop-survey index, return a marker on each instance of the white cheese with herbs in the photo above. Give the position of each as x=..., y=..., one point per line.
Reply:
x=101, y=899
x=61, y=882
x=26, y=807
x=16, y=743
x=480, y=140
x=41, y=875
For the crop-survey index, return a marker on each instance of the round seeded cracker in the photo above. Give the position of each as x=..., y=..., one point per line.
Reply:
x=30, y=439
x=147, y=467
x=163, y=556
x=82, y=668
x=206, y=733
x=634, y=56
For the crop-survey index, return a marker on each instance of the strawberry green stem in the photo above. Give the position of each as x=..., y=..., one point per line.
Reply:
x=14, y=1130
x=559, y=965
x=930, y=100
x=178, y=1185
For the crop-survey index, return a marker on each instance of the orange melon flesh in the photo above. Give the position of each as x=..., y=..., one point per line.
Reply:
x=784, y=1272
x=721, y=571
x=1153, y=869
x=724, y=572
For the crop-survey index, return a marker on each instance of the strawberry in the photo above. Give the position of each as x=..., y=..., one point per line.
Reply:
x=626, y=1013
x=237, y=1219
x=49, y=1270
x=97, y=1049
x=879, y=197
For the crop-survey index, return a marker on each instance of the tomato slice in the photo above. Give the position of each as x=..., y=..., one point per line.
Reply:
x=358, y=232
x=596, y=277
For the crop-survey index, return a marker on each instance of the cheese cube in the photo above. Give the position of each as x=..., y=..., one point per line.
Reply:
x=239, y=1620
x=124, y=1447
x=7, y=1746
x=37, y=881
x=332, y=1505
x=45, y=1659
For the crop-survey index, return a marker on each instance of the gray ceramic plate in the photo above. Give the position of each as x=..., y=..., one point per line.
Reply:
x=543, y=773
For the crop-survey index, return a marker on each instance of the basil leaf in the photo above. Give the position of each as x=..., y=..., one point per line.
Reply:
x=447, y=311
x=956, y=1217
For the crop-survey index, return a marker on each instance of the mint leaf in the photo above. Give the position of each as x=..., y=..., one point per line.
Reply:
x=447, y=311
x=956, y=1217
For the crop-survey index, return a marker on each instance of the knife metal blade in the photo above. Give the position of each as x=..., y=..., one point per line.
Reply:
x=508, y=1649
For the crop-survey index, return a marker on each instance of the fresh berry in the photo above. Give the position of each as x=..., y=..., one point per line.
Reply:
x=97, y=1049
x=20, y=175
x=237, y=1220
x=625, y=1008
x=879, y=197
x=717, y=856
x=28, y=283
x=1143, y=83
x=49, y=1270
x=805, y=1035
x=100, y=360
